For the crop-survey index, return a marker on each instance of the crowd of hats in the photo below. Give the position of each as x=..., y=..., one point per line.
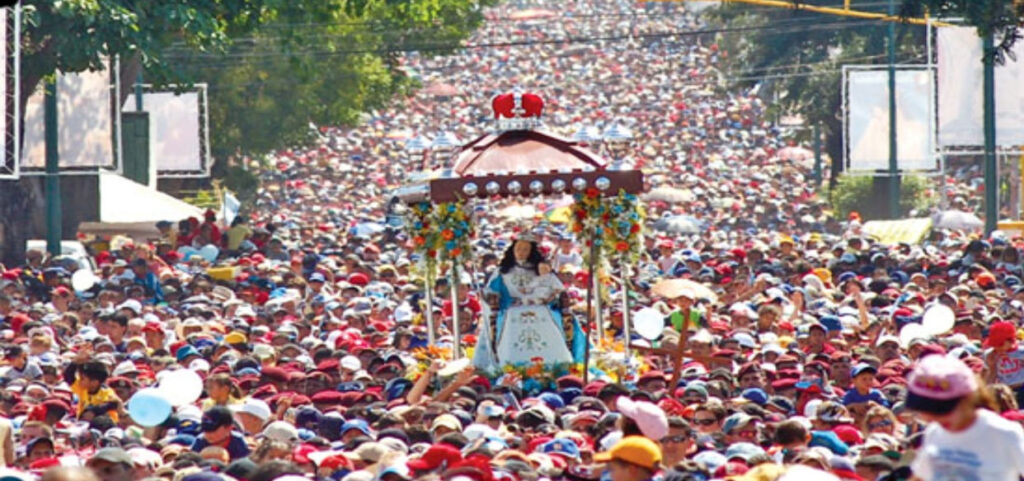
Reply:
x=308, y=333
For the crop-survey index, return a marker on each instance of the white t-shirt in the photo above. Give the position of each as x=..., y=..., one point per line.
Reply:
x=992, y=449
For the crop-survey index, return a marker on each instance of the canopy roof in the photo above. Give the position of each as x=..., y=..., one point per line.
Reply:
x=521, y=163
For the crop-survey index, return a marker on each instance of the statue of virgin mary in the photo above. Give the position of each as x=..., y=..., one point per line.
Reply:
x=529, y=323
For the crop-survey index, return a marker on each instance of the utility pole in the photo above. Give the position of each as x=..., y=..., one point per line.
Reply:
x=53, y=207
x=817, y=155
x=138, y=91
x=894, y=178
x=991, y=183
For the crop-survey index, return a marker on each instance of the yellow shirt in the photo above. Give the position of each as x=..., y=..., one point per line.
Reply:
x=103, y=396
x=236, y=235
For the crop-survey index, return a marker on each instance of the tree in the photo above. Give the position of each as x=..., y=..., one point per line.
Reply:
x=162, y=36
x=798, y=56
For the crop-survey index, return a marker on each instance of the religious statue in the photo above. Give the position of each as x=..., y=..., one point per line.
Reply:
x=529, y=321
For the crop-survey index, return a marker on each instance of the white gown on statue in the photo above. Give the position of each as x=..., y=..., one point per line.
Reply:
x=527, y=327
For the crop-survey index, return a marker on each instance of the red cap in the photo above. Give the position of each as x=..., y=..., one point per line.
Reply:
x=999, y=333
x=435, y=456
x=358, y=279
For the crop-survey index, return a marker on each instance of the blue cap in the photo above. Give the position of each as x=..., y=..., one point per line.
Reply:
x=862, y=368
x=848, y=258
x=744, y=451
x=247, y=371
x=755, y=395
x=317, y=277
x=396, y=387
x=553, y=400
x=307, y=415
x=357, y=424
x=831, y=323
x=183, y=440
x=204, y=342
x=829, y=440
x=570, y=394
x=565, y=447
x=350, y=386
x=711, y=460
x=184, y=352
x=846, y=276
x=493, y=411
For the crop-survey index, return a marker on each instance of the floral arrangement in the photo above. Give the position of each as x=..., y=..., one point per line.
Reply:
x=616, y=223
x=538, y=376
x=625, y=234
x=440, y=232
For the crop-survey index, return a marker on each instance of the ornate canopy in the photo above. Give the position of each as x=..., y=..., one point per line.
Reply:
x=519, y=160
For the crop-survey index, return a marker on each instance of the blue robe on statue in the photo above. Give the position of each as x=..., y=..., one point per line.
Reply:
x=528, y=324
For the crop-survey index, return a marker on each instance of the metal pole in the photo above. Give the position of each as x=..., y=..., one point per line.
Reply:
x=453, y=284
x=597, y=300
x=626, y=328
x=138, y=93
x=894, y=180
x=431, y=338
x=991, y=185
x=591, y=319
x=817, y=155
x=53, y=206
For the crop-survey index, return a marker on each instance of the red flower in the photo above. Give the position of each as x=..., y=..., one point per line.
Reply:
x=432, y=253
x=622, y=246
x=418, y=240
x=456, y=251
x=577, y=228
x=592, y=192
x=447, y=234
x=634, y=229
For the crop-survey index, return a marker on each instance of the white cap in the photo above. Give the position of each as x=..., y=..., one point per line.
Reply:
x=281, y=431
x=199, y=365
x=255, y=407
x=351, y=363
x=131, y=304
x=125, y=367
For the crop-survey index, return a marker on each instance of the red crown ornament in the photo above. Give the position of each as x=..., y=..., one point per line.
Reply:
x=517, y=111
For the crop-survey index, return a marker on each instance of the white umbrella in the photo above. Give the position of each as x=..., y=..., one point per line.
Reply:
x=957, y=220
x=671, y=195
x=679, y=224
x=517, y=212
x=673, y=288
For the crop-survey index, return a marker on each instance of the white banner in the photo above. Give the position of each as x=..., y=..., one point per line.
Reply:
x=177, y=131
x=961, y=76
x=867, y=120
x=86, y=123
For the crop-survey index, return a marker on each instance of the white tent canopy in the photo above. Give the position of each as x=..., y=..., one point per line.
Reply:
x=127, y=207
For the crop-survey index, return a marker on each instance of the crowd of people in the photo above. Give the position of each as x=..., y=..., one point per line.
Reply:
x=305, y=318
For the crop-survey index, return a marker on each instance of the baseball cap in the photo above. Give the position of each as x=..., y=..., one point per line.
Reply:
x=649, y=417
x=255, y=407
x=111, y=455
x=216, y=417
x=938, y=383
x=636, y=450
x=281, y=431
x=862, y=368
x=999, y=333
x=357, y=424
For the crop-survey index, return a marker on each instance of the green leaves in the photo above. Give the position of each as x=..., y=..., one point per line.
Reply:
x=1002, y=18
x=273, y=66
